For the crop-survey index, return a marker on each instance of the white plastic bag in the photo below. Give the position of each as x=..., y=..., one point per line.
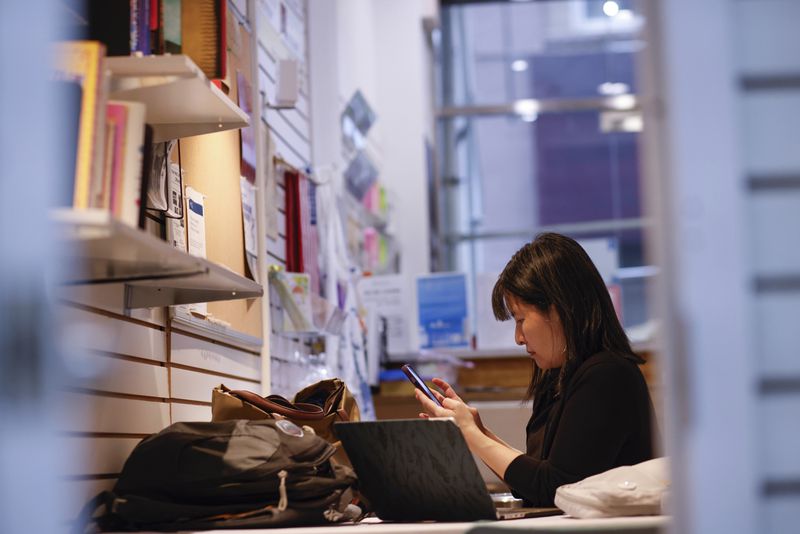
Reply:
x=629, y=490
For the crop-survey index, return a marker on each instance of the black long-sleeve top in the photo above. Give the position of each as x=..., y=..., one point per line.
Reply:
x=602, y=420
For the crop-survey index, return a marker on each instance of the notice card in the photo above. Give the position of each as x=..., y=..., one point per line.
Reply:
x=196, y=233
x=196, y=223
x=249, y=224
x=388, y=302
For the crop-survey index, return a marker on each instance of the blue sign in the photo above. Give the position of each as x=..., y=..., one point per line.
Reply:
x=443, y=313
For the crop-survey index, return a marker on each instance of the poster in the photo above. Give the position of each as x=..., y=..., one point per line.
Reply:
x=443, y=311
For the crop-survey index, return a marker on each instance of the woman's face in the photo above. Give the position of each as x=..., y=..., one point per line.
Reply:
x=542, y=334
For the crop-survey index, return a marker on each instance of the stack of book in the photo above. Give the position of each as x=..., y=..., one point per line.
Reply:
x=115, y=157
x=112, y=139
x=195, y=28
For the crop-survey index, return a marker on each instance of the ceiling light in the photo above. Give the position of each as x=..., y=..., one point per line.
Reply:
x=610, y=8
x=526, y=107
x=622, y=102
x=519, y=65
x=613, y=88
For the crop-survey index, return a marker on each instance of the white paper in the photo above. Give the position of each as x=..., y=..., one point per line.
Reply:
x=175, y=207
x=196, y=223
x=271, y=186
x=196, y=233
x=491, y=334
x=388, y=296
x=157, y=184
x=249, y=224
x=176, y=227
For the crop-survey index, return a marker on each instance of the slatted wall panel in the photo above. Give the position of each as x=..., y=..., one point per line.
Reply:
x=769, y=79
x=198, y=364
x=292, y=359
x=120, y=381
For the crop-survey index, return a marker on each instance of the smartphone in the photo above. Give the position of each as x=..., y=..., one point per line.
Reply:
x=419, y=383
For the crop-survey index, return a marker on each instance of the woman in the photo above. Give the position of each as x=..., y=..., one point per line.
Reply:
x=591, y=407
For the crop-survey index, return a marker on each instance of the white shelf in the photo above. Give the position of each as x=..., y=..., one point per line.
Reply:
x=181, y=101
x=101, y=250
x=183, y=320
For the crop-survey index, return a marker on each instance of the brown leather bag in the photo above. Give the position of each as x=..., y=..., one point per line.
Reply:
x=317, y=406
x=337, y=403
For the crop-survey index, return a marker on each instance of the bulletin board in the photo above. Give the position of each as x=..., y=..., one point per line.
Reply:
x=212, y=167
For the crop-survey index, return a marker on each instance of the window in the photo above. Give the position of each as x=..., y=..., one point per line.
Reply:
x=538, y=130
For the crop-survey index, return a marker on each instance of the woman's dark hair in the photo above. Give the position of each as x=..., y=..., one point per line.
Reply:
x=554, y=270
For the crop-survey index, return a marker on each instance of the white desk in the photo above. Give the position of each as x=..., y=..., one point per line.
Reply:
x=556, y=524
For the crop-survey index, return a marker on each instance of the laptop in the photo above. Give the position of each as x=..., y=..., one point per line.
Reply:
x=421, y=469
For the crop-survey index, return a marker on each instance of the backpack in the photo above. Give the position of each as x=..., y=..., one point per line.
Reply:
x=230, y=474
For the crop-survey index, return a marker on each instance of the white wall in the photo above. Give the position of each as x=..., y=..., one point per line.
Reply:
x=378, y=47
x=405, y=100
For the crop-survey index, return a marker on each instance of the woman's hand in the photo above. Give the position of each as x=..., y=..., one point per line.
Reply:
x=456, y=409
x=450, y=393
x=452, y=406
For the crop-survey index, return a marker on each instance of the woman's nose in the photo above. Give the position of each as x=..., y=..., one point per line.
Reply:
x=518, y=337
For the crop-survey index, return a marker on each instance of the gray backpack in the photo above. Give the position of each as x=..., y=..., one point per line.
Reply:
x=231, y=474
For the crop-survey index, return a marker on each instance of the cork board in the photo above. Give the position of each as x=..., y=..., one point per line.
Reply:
x=211, y=166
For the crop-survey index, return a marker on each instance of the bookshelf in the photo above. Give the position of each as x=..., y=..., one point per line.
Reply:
x=181, y=101
x=102, y=250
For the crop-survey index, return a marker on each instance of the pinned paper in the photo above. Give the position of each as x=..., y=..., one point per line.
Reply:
x=249, y=225
x=196, y=233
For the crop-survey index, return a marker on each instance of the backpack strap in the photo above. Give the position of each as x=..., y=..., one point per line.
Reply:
x=84, y=519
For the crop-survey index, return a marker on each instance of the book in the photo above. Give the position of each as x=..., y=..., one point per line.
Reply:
x=172, y=26
x=99, y=195
x=116, y=126
x=142, y=26
x=147, y=163
x=113, y=23
x=68, y=131
x=126, y=26
x=82, y=62
x=125, y=198
x=157, y=44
